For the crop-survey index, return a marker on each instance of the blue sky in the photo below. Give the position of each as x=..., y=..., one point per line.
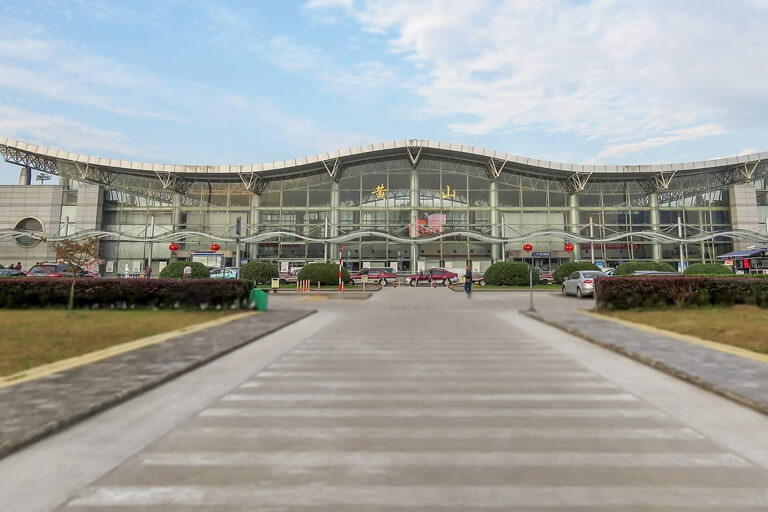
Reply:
x=238, y=82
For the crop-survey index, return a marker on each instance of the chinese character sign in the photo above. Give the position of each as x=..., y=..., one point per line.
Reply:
x=380, y=192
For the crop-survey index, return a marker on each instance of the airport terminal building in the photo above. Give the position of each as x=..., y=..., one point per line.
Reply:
x=407, y=204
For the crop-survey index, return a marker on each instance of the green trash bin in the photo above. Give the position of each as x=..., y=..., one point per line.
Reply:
x=258, y=299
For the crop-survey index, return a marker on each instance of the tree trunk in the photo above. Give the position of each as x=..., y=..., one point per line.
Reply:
x=71, y=304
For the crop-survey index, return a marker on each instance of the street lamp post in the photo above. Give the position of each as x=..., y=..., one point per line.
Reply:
x=528, y=248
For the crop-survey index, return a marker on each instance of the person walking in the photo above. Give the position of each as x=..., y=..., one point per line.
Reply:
x=18, y=266
x=148, y=272
x=187, y=272
x=468, y=282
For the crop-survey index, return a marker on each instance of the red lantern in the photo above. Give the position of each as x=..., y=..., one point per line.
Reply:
x=174, y=247
x=215, y=247
x=568, y=247
x=527, y=247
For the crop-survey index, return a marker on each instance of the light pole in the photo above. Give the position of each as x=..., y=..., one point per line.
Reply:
x=528, y=248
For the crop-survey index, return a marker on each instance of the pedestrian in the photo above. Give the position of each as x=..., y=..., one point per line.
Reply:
x=187, y=272
x=468, y=282
x=18, y=266
x=148, y=272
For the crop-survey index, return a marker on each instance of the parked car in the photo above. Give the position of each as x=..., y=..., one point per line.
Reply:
x=59, y=270
x=478, y=278
x=11, y=272
x=433, y=275
x=546, y=277
x=289, y=277
x=581, y=283
x=223, y=273
x=608, y=271
x=380, y=276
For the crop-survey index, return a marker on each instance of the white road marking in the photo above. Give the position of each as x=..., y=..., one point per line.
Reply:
x=509, y=497
x=431, y=432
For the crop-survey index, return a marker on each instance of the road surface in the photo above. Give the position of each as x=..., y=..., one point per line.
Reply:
x=416, y=399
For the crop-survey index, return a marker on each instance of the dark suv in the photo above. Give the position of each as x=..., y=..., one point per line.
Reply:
x=58, y=270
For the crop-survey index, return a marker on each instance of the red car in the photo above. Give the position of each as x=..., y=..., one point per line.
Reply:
x=289, y=277
x=433, y=275
x=380, y=276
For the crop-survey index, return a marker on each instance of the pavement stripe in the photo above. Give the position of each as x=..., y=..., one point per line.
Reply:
x=426, y=398
x=397, y=412
x=498, y=459
x=400, y=375
x=409, y=387
x=509, y=497
x=432, y=433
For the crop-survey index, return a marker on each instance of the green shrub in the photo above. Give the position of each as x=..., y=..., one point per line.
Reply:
x=566, y=269
x=123, y=293
x=324, y=273
x=260, y=272
x=679, y=291
x=628, y=268
x=707, y=269
x=508, y=273
x=175, y=270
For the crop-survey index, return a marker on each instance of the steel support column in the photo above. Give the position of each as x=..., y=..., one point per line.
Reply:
x=497, y=250
x=654, y=204
x=573, y=222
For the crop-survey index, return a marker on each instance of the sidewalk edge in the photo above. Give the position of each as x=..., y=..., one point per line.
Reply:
x=656, y=364
x=111, y=401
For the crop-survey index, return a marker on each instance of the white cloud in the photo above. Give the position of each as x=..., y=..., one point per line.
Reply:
x=59, y=132
x=692, y=133
x=652, y=71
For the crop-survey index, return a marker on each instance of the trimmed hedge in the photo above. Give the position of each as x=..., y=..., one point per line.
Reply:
x=260, y=272
x=566, y=269
x=680, y=291
x=508, y=273
x=325, y=273
x=707, y=269
x=175, y=270
x=626, y=269
x=123, y=293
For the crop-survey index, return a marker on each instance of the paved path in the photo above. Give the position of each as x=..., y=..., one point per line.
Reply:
x=34, y=409
x=734, y=376
x=416, y=399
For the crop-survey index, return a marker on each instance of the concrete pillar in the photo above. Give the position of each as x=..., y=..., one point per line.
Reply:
x=255, y=222
x=25, y=176
x=333, y=227
x=744, y=215
x=177, y=217
x=573, y=221
x=654, y=203
x=493, y=200
x=414, y=216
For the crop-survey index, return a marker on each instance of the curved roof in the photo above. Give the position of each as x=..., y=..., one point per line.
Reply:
x=326, y=161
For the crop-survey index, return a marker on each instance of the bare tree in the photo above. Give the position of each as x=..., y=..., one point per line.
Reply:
x=76, y=255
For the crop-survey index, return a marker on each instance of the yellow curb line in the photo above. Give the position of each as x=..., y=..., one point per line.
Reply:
x=721, y=347
x=98, y=355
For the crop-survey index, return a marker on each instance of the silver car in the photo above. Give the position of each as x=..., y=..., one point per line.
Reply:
x=581, y=283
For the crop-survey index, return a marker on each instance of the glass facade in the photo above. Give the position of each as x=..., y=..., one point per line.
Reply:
x=443, y=212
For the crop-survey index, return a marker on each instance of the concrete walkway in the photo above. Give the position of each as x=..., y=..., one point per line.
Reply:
x=734, y=376
x=420, y=399
x=37, y=408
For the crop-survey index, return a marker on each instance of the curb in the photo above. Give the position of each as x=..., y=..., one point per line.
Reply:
x=656, y=364
x=36, y=434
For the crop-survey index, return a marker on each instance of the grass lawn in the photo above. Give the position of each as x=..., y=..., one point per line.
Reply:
x=741, y=326
x=35, y=337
